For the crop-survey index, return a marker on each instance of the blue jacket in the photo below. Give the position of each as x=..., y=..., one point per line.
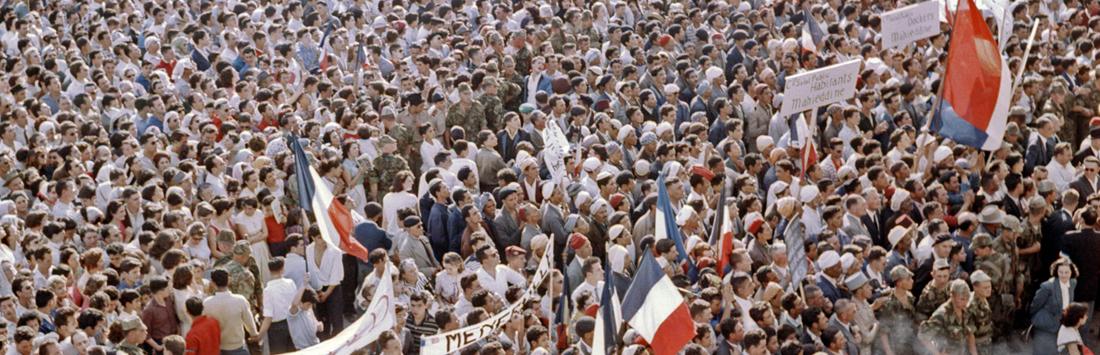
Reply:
x=437, y=229
x=201, y=62
x=1046, y=308
x=371, y=237
x=456, y=226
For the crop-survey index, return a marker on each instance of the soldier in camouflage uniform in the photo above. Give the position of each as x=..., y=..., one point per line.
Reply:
x=130, y=323
x=511, y=84
x=935, y=293
x=897, y=315
x=981, y=315
x=492, y=104
x=1006, y=292
x=408, y=141
x=950, y=330
x=242, y=279
x=467, y=112
x=1028, y=250
x=522, y=54
x=385, y=167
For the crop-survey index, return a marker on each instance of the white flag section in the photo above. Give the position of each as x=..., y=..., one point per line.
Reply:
x=819, y=87
x=557, y=147
x=911, y=23
x=379, y=317
x=455, y=340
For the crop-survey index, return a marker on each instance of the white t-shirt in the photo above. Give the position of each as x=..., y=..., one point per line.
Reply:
x=1067, y=336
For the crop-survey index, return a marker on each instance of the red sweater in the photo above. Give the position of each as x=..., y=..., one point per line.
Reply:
x=204, y=338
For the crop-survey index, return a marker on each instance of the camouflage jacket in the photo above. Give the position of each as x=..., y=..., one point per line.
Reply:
x=384, y=169
x=470, y=118
x=981, y=318
x=931, y=299
x=947, y=329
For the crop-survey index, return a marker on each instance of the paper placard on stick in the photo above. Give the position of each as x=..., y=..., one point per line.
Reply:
x=819, y=87
x=911, y=23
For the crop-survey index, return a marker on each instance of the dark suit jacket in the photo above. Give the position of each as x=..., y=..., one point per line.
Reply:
x=1046, y=307
x=1083, y=248
x=1080, y=156
x=852, y=347
x=1035, y=157
x=506, y=145
x=202, y=63
x=832, y=292
x=875, y=230
x=1012, y=208
x=1054, y=228
x=1083, y=187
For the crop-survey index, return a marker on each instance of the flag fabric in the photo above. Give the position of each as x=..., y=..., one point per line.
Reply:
x=334, y=219
x=378, y=318
x=667, y=228
x=813, y=36
x=563, y=315
x=324, y=47
x=804, y=141
x=609, y=319
x=721, y=235
x=794, y=235
x=360, y=58
x=654, y=307
x=977, y=87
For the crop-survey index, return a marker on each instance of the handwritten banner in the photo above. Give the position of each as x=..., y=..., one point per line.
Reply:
x=819, y=87
x=455, y=340
x=911, y=23
x=378, y=318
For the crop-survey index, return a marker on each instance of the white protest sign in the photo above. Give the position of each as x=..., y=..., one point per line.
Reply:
x=557, y=147
x=914, y=22
x=378, y=318
x=819, y=87
x=455, y=340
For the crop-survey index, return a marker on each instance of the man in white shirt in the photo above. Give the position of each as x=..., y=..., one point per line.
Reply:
x=295, y=265
x=278, y=296
x=64, y=206
x=593, y=280
x=1060, y=171
x=326, y=271
x=489, y=275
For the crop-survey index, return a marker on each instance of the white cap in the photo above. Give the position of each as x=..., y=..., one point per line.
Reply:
x=581, y=198
x=764, y=141
x=548, y=189
x=900, y=195
x=828, y=259
x=713, y=72
x=591, y=164
x=847, y=260
x=808, y=193
x=663, y=127
x=671, y=88
x=941, y=153
x=685, y=213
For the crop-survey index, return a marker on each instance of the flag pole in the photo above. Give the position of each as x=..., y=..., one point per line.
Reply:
x=1023, y=62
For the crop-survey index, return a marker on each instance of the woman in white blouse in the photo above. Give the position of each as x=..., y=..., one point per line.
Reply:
x=251, y=227
x=400, y=198
x=1069, y=335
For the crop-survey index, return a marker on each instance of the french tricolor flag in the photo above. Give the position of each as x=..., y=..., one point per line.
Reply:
x=655, y=309
x=666, y=226
x=334, y=219
x=977, y=90
x=722, y=234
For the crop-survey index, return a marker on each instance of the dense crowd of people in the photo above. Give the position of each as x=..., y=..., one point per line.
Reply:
x=150, y=199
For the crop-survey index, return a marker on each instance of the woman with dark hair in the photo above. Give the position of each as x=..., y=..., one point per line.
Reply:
x=1053, y=296
x=400, y=197
x=1069, y=335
